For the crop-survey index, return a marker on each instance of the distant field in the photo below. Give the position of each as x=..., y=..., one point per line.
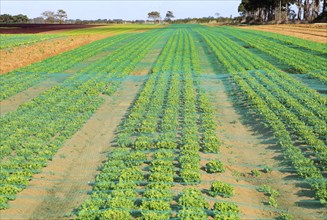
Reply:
x=39, y=28
x=164, y=122
x=313, y=32
x=10, y=41
x=50, y=41
x=117, y=28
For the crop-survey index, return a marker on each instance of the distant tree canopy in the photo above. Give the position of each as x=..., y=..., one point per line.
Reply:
x=204, y=20
x=280, y=10
x=169, y=16
x=52, y=17
x=10, y=19
x=49, y=16
x=61, y=16
x=155, y=15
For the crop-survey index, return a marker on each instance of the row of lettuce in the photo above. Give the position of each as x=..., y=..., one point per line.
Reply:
x=295, y=113
x=157, y=148
x=14, y=40
x=313, y=64
x=170, y=122
x=23, y=78
x=32, y=134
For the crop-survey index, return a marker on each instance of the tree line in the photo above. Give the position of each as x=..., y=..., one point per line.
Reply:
x=282, y=10
x=50, y=17
x=13, y=19
x=156, y=17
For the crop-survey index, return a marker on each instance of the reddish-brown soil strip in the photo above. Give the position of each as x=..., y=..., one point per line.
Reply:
x=308, y=32
x=18, y=57
x=39, y=28
x=63, y=184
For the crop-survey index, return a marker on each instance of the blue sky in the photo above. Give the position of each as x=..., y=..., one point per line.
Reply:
x=108, y=9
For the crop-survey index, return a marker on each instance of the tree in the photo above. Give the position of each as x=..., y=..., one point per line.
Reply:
x=16, y=19
x=6, y=19
x=38, y=20
x=307, y=10
x=49, y=16
x=217, y=14
x=299, y=4
x=315, y=8
x=169, y=16
x=266, y=10
x=155, y=15
x=20, y=19
x=61, y=16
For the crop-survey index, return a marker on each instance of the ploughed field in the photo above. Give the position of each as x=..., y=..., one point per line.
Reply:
x=165, y=122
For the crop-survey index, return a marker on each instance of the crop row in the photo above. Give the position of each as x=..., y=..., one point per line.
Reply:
x=158, y=146
x=116, y=29
x=284, y=115
x=290, y=100
x=303, y=62
x=32, y=134
x=313, y=46
x=18, y=80
x=132, y=184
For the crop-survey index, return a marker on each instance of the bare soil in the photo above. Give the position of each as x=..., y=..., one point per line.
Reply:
x=248, y=146
x=18, y=57
x=312, y=32
x=64, y=183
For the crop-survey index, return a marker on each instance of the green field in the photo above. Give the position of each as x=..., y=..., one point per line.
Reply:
x=174, y=153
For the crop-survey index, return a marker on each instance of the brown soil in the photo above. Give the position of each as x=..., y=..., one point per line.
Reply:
x=18, y=57
x=317, y=33
x=237, y=148
x=247, y=146
x=63, y=184
x=12, y=103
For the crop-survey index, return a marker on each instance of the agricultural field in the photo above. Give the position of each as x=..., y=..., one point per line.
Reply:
x=166, y=122
x=48, y=42
x=312, y=32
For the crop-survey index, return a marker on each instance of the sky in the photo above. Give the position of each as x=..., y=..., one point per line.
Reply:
x=123, y=9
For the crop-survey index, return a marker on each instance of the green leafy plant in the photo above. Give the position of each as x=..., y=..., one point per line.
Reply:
x=215, y=166
x=221, y=189
x=115, y=214
x=285, y=216
x=268, y=190
x=255, y=173
x=192, y=213
x=226, y=210
x=192, y=197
